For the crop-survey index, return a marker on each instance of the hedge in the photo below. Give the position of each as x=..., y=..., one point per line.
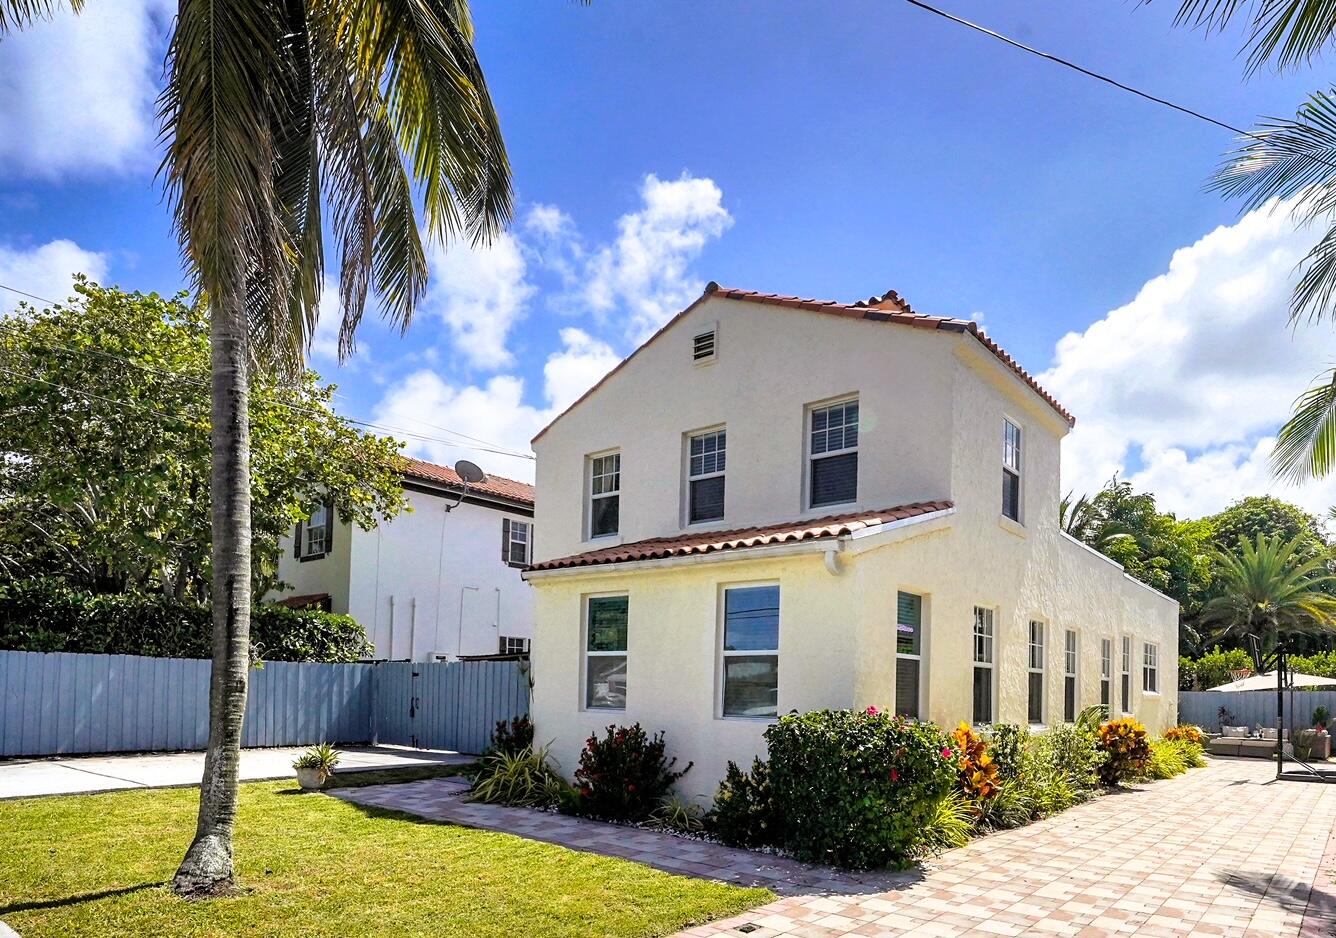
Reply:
x=45, y=615
x=1213, y=669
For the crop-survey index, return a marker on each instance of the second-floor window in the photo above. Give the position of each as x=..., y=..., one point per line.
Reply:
x=1011, y=470
x=833, y=451
x=314, y=534
x=605, y=494
x=706, y=454
x=516, y=542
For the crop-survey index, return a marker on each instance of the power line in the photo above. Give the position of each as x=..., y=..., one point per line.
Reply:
x=1089, y=73
x=475, y=443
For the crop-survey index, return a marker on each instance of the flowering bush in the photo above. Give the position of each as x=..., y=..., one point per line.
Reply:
x=512, y=736
x=857, y=789
x=978, y=776
x=1128, y=750
x=625, y=775
x=1187, y=732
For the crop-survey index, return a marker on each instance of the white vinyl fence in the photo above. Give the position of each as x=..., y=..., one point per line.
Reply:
x=53, y=704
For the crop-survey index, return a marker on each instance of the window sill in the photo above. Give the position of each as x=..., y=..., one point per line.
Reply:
x=588, y=709
x=1037, y=727
x=763, y=720
x=1012, y=527
x=1150, y=693
x=307, y=557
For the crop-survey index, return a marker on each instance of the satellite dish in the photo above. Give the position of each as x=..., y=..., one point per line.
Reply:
x=469, y=472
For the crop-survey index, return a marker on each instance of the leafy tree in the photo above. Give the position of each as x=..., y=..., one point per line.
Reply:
x=275, y=116
x=1248, y=517
x=105, y=480
x=1267, y=589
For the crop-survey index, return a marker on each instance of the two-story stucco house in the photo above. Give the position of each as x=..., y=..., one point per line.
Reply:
x=441, y=580
x=781, y=504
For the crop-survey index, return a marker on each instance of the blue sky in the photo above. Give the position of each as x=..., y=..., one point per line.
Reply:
x=827, y=150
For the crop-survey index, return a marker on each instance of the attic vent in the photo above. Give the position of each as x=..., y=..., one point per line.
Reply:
x=702, y=347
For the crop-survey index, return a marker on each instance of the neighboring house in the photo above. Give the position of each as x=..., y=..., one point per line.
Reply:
x=779, y=504
x=440, y=580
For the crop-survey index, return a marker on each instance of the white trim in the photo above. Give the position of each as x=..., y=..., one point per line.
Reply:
x=722, y=655
x=585, y=653
x=809, y=457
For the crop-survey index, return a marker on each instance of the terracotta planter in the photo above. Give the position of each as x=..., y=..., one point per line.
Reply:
x=311, y=779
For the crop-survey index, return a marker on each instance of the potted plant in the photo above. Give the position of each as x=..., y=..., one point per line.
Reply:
x=1320, y=718
x=315, y=766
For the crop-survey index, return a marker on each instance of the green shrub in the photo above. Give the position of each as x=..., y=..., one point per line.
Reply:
x=625, y=775
x=675, y=813
x=1212, y=669
x=1012, y=805
x=1073, y=751
x=1007, y=743
x=744, y=808
x=522, y=779
x=856, y=789
x=47, y=616
x=1170, y=757
x=950, y=823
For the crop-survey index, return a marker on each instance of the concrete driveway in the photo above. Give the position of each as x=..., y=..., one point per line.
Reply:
x=23, y=778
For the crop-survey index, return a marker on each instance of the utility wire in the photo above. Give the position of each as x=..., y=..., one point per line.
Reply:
x=1165, y=102
x=481, y=445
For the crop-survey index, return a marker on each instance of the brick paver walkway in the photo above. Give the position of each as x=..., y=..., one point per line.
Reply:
x=1225, y=850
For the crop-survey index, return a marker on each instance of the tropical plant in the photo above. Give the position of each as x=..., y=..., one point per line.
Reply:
x=949, y=824
x=1266, y=590
x=1127, y=748
x=1012, y=805
x=744, y=812
x=625, y=775
x=1170, y=757
x=322, y=759
x=1071, y=751
x=272, y=114
x=1187, y=732
x=1320, y=717
x=675, y=813
x=978, y=774
x=514, y=735
x=1007, y=744
x=522, y=779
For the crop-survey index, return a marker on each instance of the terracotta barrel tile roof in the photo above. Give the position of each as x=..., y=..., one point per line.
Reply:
x=444, y=475
x=708, y=542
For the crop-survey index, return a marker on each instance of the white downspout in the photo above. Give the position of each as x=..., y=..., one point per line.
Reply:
x=833, y=552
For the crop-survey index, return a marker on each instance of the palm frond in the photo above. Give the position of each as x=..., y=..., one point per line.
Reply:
x=1306, y=444
x=1284, y=158
x=1292, y=32
x=16, y=14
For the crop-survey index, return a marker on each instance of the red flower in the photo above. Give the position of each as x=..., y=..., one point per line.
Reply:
x=872, y=711
x=946, y=753
x=895, y=775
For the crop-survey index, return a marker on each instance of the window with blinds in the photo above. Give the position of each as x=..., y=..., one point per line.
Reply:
x=1035, y=676
x=706, y=461
x=908, y=654
x=1011, y=470
x=983, y=666
x=833, y=454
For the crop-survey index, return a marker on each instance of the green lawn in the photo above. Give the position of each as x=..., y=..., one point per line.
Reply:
x=315, y=865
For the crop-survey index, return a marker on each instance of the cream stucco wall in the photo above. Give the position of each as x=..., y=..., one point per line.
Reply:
x=932, y=406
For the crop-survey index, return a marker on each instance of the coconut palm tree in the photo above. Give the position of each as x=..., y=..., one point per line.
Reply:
x=1266, y=589
x=1290, y=159
x=285, y=122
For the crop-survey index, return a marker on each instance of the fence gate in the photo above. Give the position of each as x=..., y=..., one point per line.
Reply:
x=447, y=705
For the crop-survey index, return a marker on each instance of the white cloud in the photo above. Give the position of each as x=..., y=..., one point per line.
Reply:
x=494, y=411
x=646, y=270
x=77, y=92
x=46, y=271
x=1183, y=388
x=480, y=293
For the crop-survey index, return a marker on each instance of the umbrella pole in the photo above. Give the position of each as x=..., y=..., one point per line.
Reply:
x=1280, y=715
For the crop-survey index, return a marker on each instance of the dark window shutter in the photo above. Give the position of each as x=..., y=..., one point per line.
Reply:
x=297, y=542
x=834, y=480
x=505, y=540
x=528, y=546
x=329, y=527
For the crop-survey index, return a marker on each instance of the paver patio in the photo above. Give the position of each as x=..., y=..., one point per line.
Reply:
x=1225, y=850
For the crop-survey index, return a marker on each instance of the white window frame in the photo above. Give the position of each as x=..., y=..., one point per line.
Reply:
x=1106, y=674
x=1071, y=670
x=591, y=462
x=718, y=473
x=586, y=654
x=983, y=648
x=507, y=646
x=1125, y=704
x=1013, y=464
x=1032, y=668
x=311, y=549
x=812, y=458
x=512, y=540
x=1150, y=668
x=925, y=619
x=721, y=615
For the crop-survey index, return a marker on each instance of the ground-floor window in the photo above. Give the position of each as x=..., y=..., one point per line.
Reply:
x=983, y=666
x=1150, y=668
x=1106, y=674
x=605, y=652
x=751, y=651
x=908, y=653
x=1069, y=677
x=1035, y=696
x=1125, y=676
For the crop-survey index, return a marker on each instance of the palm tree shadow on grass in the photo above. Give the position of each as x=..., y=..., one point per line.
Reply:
x=77, y=899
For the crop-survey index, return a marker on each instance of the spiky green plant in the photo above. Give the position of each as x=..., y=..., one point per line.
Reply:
x=522, y=779
x=675, y=813
x=950, y=824
x=1267, y=590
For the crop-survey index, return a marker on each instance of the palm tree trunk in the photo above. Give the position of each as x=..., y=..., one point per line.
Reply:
x=207, y=867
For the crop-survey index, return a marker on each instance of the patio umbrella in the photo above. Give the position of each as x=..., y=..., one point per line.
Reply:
x=1267, y=681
